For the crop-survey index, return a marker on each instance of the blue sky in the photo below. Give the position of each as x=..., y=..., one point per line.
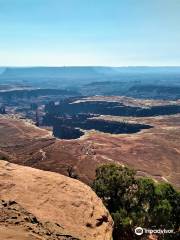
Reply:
x=89, y=32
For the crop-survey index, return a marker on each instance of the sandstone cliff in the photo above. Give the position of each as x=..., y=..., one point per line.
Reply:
x=57, y=199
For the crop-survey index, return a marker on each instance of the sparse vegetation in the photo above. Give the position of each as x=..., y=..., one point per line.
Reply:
x=137, y=202
x=2, y=157
x=71, y=172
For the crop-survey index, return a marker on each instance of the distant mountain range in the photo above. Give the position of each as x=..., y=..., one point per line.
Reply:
x=58, y=72
x=76, y=72
x=2, y=69
x=78, y=77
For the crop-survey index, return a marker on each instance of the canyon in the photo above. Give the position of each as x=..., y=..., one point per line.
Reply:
x=152, y=152
x=53, y=139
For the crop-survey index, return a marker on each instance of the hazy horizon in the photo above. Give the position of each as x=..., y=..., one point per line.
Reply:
x=100, y=66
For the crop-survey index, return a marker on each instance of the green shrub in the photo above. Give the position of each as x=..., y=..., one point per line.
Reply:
x=135, y=202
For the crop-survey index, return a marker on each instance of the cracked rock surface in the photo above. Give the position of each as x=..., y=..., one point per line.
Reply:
x=17, y=223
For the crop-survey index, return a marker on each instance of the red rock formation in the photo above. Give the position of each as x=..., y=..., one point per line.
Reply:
x=58, y=199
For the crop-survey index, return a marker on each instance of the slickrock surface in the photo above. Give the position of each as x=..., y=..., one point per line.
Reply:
x=54, y=198
x=18, y=224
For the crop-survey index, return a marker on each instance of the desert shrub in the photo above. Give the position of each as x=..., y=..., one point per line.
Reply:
x=135, y=202
x=2, y=157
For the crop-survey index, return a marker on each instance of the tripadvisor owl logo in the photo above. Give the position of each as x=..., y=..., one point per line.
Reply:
x=139, y=231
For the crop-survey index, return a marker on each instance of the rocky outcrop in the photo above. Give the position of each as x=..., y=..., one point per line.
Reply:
x=57, y=199
x=18, y=224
